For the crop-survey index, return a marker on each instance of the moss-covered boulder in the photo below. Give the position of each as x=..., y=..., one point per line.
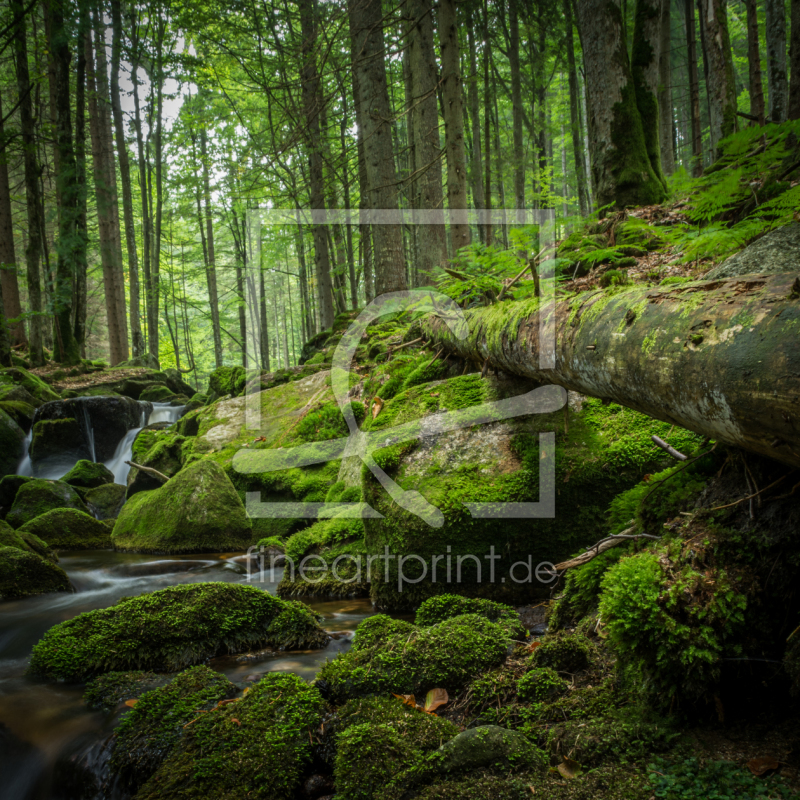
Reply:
x=437, y=609
x=24, y=574
x=9, y=486
x=196, y=511
x=69, y=529
x=226, y=380
x=38, y=496
x=24, y=540
x=173, y=628
x=12, y=444
x=446, y=656
x=256, y=747
x=35, y=386
x=157, y=393
x=106, y=692
x=159, y=448
x=88, y=475
x=105, y=502
x=57, y=444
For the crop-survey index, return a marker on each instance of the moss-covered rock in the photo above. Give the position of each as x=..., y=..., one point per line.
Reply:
x=23, y=540
x=375, y=630
x=38, y=496
x=106, y=692
x=57, y=444
x=24, y=574
x=540, y=685
x=157, y=393
x=196, y=511
x=564, y=652
x=256, y=747
x=34, y=385
x=447, y=606
x=9, y=486
x=173, y=628
x=12, y=441
x=159, y=448
x=105, y=502
x=446, y=656
x=69, y=529
x=88, y=475
x=226, y=380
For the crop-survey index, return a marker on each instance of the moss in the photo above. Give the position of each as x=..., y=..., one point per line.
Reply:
x=564, y=652
x=24, y=540
x=12, y=439
x=257, y=747
x=38, y=496
x=56, y=439
x=88, y=475
x=447, y=606
x=226, y=380
x=156, y=393
x=106, y=692
x=540, y=685
x=614, y=277
x=9, y=485
x=446, y=655
x=171, y=629
x=34, y=385
x=152, y=728
x=196, y=511
x=164, y=450
x=69, y=529
x=24, y=574
x=375, y=630
x=105, y=502
x=321, y=534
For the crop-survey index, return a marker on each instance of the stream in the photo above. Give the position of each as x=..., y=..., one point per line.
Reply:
x=44, y=723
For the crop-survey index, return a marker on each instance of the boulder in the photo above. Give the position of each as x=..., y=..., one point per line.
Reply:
x=775, y=252
x=176, y=382
x=157, y=393
x=196, y=511
x=12, y=444
x=26, y=541
x=160, y=448
x=34, y=385
x=24, y=574
x=174, y=628
x=38, y=496
x=69, y=529
x=226, y=380
x=105, y=502
x=57, y=444
x=9, y=485
x=88, y=475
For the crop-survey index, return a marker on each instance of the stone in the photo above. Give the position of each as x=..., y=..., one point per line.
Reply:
x=776, y=252
x=25, y=574
x=38, y=496
x=88, y=475
x=69, y=529
x=488, y=745
x=105, y=502
x=9, y=485
x=12, y=444
x=57, y=444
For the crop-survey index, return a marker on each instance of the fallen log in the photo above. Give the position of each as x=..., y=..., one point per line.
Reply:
x=721, y=357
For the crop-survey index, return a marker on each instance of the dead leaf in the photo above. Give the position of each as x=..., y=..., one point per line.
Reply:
x=233, y=719
x=760, y=766
x=408, y=699
x=377, y=405
x=260, y=439
x=435, y=699
x=533, y=645
x=131, y=703
x=569, y=769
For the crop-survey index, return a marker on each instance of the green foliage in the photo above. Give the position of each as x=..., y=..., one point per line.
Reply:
x=373, y=631
x=106, y=692
x=326, y=422
x=564, y=652
x=614, y=277
x=539, y=685
x=446, y=606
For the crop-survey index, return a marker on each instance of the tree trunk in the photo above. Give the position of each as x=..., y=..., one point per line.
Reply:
x=754, y=63
x=8, y=259
x=453, y=102
x=427, y=164
x=666, y=123
x=137, y=339
x=694, y=90
x=777, y=83
x=794, y=59
x=721, y=89
x=516, y=108
x=736, y=385
x=33, y=204
x=488, y=102
x=622, y=174
x=372, y=101
x=476, y=166
x=81, y=299
x=574, y=112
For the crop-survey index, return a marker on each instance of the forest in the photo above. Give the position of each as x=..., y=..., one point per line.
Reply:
x=399, y=399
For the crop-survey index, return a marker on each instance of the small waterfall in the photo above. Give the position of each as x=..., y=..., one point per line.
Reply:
x=89, y=431
x=164, y=412
x=25, y=466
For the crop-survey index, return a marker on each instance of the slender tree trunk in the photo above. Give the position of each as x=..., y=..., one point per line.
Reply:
x=453, y=102
x=8, y=259
x=666, y=123
x=721, y=89
x=211, y=264
x=574, y=113
x=487, y=127
x=516, y=107
x=137, y=339
x=427, y=164
x=777, y=74
x=5, y=342
x=476, y=167
x=33, y=252
x=80, y=303
x=794, y=59
x=302, y=276
x=754, y=63
x=694, y=90
x=372, y=101
x=621, y=171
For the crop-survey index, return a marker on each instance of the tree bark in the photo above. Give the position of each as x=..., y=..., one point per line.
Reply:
x=516, y=108
x=81, y=299
x=372, y=101
x=33, y=251
x=666, y=123
x=794, y=59
x=694, y=90
x=427, y=165
x=721, y=88
x=754, y=63
x=677, y=353
x=488, y=102
x=476, y=165
x=574, y=112
x=777, y=83
x=453, y=102
x=622, y=174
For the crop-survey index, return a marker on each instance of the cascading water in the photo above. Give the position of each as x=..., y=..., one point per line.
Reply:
x=25, y=467
x=89, y=431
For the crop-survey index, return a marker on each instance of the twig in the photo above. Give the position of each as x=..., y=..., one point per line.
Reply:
x=671, y=450
x=438, y=353
x=682, y=467
x=393, y=349
x=602, y=546
x=485, y=368
x=149, y=470
x=752, y=478
x=736, y=503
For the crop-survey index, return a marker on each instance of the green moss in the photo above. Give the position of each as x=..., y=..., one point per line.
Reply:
x=105, y=502
x=38, y=496
x=257, y=747
x=226, y=380
x=24, y=574
x=446, y=606
x=34, y=385
x=540, y=685
x=171, y=629
x=69, y=529
x=375, y=630
x=614, y=277
x=88, y=475
x=157, y=393
x=564, y=652
x=12, y=439
x=106, y=692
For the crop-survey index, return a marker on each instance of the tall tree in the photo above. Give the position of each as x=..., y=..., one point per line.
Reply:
x=372, y=100
x=574, y=111
x=453, y=102
x=516, y=107
x=694, y=89
x=81, y=221
x=721, y=88
x=666, y=124
x=777, y=74
x=476, y=155
x=754, y=63
x=621, y=169
x=794, y=58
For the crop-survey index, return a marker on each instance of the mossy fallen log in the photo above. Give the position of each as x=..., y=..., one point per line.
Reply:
x=721, y=358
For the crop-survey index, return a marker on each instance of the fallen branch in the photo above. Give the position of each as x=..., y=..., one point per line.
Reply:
x=393, y=349
x=750, y=496
x=150, y=471
x=671, y=450
x=603, y=545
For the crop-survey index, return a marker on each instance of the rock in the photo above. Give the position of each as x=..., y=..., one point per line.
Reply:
x=226, y=380
x=70, y=529
x=196, y=511
x=88, y=475
x=157, y=393
x=775, y=252
x=38, y=496
x=57, y=444
x=12, y=444
x=24, y=540
x=446, y=606
x=177, y=384
x=8, y=491
x=106, y=692
x=105, y=502
x=19, y=404
x=24, y=574
x=488, y=745
x=158, y=447
x=316, y=786
x=173, y=628
x=34, y=385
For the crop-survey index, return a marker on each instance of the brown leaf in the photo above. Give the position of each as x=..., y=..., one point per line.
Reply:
x=408, y=699
x=233, y=719
x=377, y=405
x=569, y=768
x=435, y=699
x=131, y=703
x=760, y=766
x=533, y=645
